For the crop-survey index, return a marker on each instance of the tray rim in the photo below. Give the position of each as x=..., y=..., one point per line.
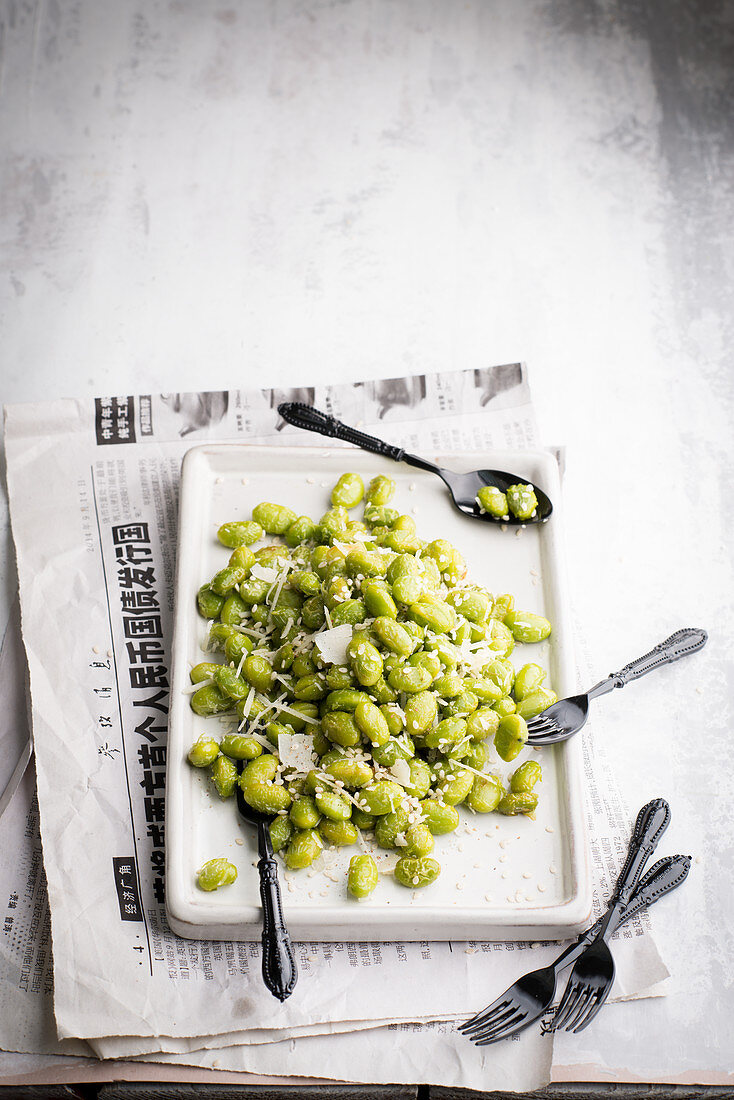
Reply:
x=211, y=920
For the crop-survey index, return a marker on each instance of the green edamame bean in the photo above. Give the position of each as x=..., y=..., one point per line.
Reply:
x=229, y=683
x=433, y=613
x=363, y=563
x=237, y=646
x=525, y=626
x=536, y=702
x=203, y=752
x=340, y=728
x=421, y=710
x=362, y=877
x=339, y=833
x=275, y=519
x=394, y=718
x=225, y=580
x=521, y=501
x=524, y=778
x=333, y=525
x=419, y=841
x=502, y=604
x=493, y=501
x=450, y=562
x=205, y=670
x=312, y=613
x=392, y=635
x=499, y=638
x=239, y=533
x=477, y=755
x=365, y=661
x=332, y=805
x=303, y=848
x=370, y=722
x=483, y=722
x=502, y=673
x=304, y=813
x=485, y=794
x=454, y=791
x=415, y=872
x=224, y=776
x=380, y=490
x=362, y=820
x=353, y=773
x=210, y=700
x=439, y=817
x=446, y=733
x=504, y=706
x=382, y=693
x=209, y=603
x=409, y=678
x=336, y=590
x=343, y=699
x=486, y=690
x=381, y=797
x=420, y=778
x=310, y=687
x=427, y=660
x=348, y=491
x=528, y=679
x=349, y=611
x=305, y=581
x=239, y=746
x=258, y=673
x=293, y=718
x=216, y=873
x=511, y=736
x=474, y=604
x=265, y=798
x=522, y=802
x=234, y=610
x=389, y=826
x=218, y=635
x=462, y=705
x=301, y=530
x=281, y=831
x=378, y=599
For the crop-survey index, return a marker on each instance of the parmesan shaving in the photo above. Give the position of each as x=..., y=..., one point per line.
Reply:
x=332, y=644
x=296, y=750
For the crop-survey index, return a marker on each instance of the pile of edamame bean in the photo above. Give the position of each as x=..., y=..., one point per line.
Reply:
x=403, y=724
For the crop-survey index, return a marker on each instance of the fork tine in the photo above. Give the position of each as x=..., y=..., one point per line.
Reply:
x=566, y=1006
x=502, y=1013
x=580, y=1008
x=484, y=1015
x=539, y=722
x=509, y=1027
x=593, y=1009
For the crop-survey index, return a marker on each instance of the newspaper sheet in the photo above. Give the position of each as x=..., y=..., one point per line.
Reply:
x=99, y=710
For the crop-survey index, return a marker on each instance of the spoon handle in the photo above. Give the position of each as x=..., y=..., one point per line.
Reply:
x=280, y=972
x=305, y=416
x=678, y=645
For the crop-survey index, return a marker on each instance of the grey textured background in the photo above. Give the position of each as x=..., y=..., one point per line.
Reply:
x=205, y=195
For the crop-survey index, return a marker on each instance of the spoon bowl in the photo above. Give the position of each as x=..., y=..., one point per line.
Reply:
x=463, y=487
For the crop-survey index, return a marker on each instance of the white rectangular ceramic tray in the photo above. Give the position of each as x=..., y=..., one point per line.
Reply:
x=502, y=877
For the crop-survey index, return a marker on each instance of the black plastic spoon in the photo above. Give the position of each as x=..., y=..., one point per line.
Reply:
x=463, y=487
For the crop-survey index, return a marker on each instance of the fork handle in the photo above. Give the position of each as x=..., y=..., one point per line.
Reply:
x=678, y=645
x=313, y=420
x=652, y=821
x=664, y=876
x=279, y=969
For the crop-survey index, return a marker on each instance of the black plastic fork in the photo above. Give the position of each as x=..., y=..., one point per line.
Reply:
x=566, y=717
x=533, y=994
